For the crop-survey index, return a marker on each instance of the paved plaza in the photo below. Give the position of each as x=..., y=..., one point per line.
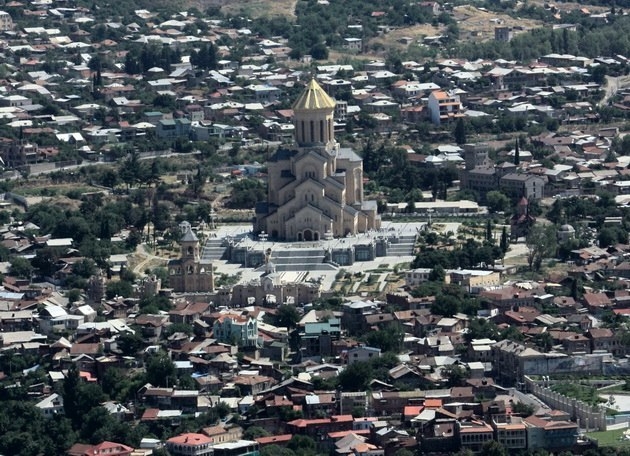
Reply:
x=243, y=237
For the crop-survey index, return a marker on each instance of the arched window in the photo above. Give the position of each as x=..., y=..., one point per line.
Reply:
x=312, y=131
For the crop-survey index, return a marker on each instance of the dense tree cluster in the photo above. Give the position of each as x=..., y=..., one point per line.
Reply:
x=591, y=40
x=391, y=172
x=246, y=193
x=139, y=60
x=469, y=255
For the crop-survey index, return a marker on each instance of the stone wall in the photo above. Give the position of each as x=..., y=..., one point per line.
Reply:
x=587, y=416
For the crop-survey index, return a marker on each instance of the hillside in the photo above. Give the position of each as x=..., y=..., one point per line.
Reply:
x=252, y=8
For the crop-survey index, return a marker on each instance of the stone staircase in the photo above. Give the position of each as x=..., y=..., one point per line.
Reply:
x=300, y=260
x=404, y=247
x=213, y=250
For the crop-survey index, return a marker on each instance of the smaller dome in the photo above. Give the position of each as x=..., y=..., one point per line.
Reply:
x=567, y=228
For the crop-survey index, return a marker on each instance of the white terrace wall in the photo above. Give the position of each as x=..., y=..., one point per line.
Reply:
x=587, y=416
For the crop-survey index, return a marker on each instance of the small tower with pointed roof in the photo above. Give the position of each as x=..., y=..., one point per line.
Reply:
x=190, y=273
x=190, y=245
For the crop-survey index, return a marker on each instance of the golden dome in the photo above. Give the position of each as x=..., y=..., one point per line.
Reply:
x=313, y=97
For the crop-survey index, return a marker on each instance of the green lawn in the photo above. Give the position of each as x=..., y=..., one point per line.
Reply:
x=610, y=438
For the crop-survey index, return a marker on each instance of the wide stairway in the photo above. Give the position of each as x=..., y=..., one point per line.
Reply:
x=404, y=247
x=300, y=260
x=213, y=250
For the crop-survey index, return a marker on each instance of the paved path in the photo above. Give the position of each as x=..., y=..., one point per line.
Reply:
x=613, y=84
x=145, y=259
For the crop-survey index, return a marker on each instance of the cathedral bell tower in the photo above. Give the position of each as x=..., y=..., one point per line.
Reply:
x=190, y=246
x=313, y=117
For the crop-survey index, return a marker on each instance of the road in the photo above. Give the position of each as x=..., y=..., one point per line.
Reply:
x=146, y=259
x=46, y=168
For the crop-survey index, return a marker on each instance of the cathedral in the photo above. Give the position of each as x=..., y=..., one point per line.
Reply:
x=315, y=189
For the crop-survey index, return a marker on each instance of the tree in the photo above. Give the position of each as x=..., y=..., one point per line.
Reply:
x=517, y=154
x=254, y=432
x=20, y=267
x=437, y=274
x=403, y=452
x=73, y=295
x=445, y=305
x=489, y=236
x=129, y=343
x=497, y=201
x=161, y=370
x=541, y=242
x=275, y=450
x=45, y=260
x=84, y=268
x=505, y=243
x=356, y=376
x=479, y=328
x=493, y=448
x=287, y=316
x=118, y=288
x=455, y=375
x=301, y=444
x=70, y=396
x=612, y=235
x=319, y=51
x=388, y=339
x=460, y=131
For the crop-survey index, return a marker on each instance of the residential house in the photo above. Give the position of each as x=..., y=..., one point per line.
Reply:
x=523, y=185
x=474, y=434
x=320, y=426
x=237, y=329
x=51, y=405
x=173, y=128
x=238, y=448
x=603, y=339
x=190, y=444
x=511, y=432
x=253, y=384
x=361, y=353
x=415, y=277
x=550, y=434
x=443, y=107
x=318, y=333
x=102, y=449
x=319, y=405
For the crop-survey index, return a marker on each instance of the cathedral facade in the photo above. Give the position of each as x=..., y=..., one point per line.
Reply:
x=315, y=189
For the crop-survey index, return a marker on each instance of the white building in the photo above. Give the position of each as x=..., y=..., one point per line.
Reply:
x=444, y=107
x=415, y=277
x=51, y=405
x=6, y=23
